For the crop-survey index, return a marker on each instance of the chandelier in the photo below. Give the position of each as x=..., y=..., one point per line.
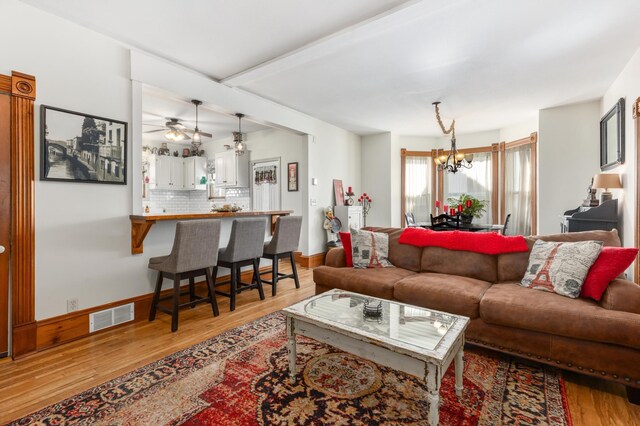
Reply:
x=239, y=138
x=456, y=159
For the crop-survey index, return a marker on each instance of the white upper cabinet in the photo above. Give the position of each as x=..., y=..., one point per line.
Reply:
x=195, y=173
x=179, y=173
x=232, y=171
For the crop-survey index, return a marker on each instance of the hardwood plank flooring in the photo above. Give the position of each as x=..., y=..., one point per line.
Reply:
x=47, y=377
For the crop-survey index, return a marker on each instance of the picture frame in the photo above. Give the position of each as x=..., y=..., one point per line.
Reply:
x=82, y=148
x=292, y=177
x=612, y=137
x=339, y=192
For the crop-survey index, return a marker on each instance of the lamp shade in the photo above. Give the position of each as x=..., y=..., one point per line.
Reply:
x=607, y=181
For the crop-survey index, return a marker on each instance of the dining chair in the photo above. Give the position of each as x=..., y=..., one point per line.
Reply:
x=444, y=222
x=282, y=245
x=245, y=247
x=506, y=224
x=195, y=250
x=410, y=220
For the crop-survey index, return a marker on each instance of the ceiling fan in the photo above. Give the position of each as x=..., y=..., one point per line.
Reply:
x=176, y=131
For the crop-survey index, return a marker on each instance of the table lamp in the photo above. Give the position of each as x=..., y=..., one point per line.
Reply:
x=606, y=181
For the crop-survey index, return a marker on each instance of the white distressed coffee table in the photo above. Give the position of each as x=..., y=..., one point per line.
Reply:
x=417, y=341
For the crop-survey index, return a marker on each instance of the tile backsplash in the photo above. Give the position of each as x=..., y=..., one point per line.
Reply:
x=171, y=201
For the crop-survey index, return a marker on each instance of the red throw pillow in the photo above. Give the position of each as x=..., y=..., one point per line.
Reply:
x=345, y=237
x=611, y=262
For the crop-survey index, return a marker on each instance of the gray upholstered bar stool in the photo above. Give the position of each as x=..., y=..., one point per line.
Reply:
x=244, y=248
x=283, y=243
x=195, y=250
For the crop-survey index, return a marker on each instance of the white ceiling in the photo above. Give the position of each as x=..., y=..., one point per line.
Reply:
x=375, y=65
x=158, y=106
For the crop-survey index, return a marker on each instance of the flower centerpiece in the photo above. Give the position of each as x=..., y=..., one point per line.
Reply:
x=468, y=207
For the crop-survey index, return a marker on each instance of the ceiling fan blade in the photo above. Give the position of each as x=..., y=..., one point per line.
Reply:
x=154, y=131
x=205, y=134
x=153, y=125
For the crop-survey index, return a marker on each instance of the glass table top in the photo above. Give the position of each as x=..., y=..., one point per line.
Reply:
x=407, y=324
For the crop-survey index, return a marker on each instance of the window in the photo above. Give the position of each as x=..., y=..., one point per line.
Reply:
x=519, y=165
x=476, y=181
x=418, y=186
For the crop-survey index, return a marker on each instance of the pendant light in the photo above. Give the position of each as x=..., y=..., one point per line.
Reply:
x=239, y=137
x=456, y=160
x=197, y=137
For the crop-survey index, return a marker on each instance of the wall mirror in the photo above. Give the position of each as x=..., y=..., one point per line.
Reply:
x=612, y=137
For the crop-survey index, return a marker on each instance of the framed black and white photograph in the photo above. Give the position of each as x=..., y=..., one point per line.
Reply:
x=292, y=173
x=77, y=147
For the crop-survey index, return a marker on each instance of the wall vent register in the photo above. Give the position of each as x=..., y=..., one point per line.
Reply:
x=110, y=317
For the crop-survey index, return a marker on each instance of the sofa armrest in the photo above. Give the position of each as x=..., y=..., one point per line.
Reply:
x=336, y=258
x=622, y=295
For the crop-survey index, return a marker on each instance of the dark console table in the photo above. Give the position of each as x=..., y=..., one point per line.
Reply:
x=604, y=217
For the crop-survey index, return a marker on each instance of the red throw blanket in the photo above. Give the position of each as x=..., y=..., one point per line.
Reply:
x=478, y=242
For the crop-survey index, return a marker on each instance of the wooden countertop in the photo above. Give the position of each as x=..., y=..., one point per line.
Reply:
x=141, y=224
x=213, y=215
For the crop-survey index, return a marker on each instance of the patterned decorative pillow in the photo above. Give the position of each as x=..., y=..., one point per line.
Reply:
x=370, y=249
x=560, y=267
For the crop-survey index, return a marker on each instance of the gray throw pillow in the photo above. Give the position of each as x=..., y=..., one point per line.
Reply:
x=370, y=249
x=560, y=267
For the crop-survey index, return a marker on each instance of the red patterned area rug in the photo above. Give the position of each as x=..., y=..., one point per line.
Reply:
x=241, y=378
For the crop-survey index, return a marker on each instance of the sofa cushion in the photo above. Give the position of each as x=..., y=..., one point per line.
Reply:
x=400, y=255
x=448, y=293
x=463, y=263
x=511, y=305
x=560, y=267
x=512, y=266
x=376, y=282
x=369, y=249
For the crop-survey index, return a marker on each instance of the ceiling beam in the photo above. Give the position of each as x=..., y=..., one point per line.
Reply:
x=399, y=15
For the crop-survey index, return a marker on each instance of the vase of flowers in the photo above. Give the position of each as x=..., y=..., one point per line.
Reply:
x=468, y=207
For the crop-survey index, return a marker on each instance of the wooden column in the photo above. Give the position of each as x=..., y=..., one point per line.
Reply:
x=403, y=177
x=23, y=93
x=636, y=228
x=534, y=183
x=495, y=184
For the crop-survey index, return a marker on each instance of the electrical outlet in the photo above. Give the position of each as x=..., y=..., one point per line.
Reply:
x=313, y=202
x=72, y=305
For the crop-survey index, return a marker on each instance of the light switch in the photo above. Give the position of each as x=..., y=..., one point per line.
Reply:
x=313, y=201
x=314, y=182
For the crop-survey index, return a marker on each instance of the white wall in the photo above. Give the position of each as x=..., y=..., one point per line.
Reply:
x=568, y=157
x=627, y=86
x=83, y=230
x=520, y=130
x=376, y=177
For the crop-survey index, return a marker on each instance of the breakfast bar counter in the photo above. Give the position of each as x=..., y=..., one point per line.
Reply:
x=141, y=224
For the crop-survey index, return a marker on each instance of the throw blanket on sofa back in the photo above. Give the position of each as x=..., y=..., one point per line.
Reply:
x=478, y=242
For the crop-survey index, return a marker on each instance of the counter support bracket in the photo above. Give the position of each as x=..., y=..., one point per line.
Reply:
x=139, y=230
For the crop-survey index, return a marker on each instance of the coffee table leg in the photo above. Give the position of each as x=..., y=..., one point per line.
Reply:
x=459, y=370
x=291, y=345
x=433, y=386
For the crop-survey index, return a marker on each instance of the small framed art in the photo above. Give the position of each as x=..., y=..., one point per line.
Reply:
x=292, y=176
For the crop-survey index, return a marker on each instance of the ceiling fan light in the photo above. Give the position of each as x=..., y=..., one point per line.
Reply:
x=171, y=135
x=196, y=136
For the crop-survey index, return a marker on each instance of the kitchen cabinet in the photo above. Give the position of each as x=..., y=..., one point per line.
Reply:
x=350, y=216
x=232, y=171
x=169, y=172
x=195, y=168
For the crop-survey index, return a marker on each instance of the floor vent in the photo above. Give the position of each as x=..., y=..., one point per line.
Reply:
x=110, y=317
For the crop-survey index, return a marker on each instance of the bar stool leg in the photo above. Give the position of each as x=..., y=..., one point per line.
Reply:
x=176, y=302
x=156, y=297
x=239, y=278
x=212, y=291
x=295, y=269
x=274, y=274
x=192, y=292
x=233, y=288
x=256, y=271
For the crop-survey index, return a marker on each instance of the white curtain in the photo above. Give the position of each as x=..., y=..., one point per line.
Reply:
x=518, y=189
x=417, y=187
x=476, y=182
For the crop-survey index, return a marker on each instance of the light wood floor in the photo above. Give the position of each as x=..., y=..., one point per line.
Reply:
x=44, y=378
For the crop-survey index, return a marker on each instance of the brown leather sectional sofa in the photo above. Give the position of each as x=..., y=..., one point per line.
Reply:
x=599, y=339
